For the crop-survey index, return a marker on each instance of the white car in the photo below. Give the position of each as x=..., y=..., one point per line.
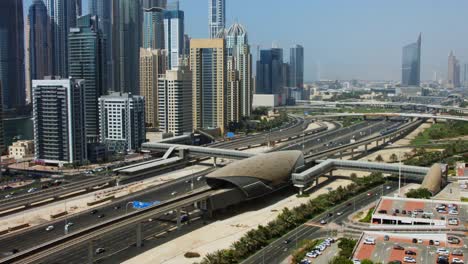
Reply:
x=339, y=213
x=68, y=225
x=453, y=221
x=32, y=190
x=409, y=260
x=388, y=187
x=436, y=242
x=8, y=196
x=356, y=261
x=442, y=251
x=199, y=178
x=49, y=228
x=311, y=255
x=453, y=212
x=369, y=241
x=457, y=260
x=173, y=193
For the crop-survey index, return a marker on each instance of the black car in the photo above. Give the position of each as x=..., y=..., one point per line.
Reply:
x=442, y=260
x=94, y=211
x=395, y=262
x=101, y=216
x=403, y=211
x=287, y=241
x=410, y=252
x=14, y=251
x=117, y=207
x=398, y=247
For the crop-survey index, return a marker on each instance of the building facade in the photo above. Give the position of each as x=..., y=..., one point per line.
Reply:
x=102, y=9
x=152, y=64
x=175, y=101
x=270, y=72
x=122, y=122
x=59, y=121
x=174, y=36
x=126, y=39
x=62, y=15
x=2, y=132
x=411, y=64
x=12, y=53
x=85, y=59
x=296, y=66
x=21, y=149
x=38, y=45
x=153, y=3
x=208, y=66
x=238, y=48
x=216, y=17
x=453, y=74
x=153, y=28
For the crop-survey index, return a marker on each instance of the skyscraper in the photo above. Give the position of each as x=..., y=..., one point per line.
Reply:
x=59, y=121
x=85, y=62
x=78, y=8
x=153, y=28
x=411, y=64
x=296, y=69
x=126, y=38
x=270, y=72
x=174, y=36
x=62, y=14
x=2, y=133
x=103, y=10
x=208, y=66
x=145, y=4
x=216, y=16
x=175, y=101
x=122, y=122
x=232, y=91
x=465, y=75
x=39, y=45
x=152, y=64
x=238, y=48
x=453, y=75
x=12, y=53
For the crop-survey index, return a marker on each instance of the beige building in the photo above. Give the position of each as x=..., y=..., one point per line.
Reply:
x=233, y=102
x=152, y=64
x=453, y=74
x=21, y=149
x=175, y=101
x=208, y=65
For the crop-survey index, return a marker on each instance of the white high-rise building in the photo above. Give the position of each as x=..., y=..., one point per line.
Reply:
x=216, y=16
x=122, y=122
x=175, y=101
x=59, y=121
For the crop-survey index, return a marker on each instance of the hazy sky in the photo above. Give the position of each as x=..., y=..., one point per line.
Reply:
x=348, y=38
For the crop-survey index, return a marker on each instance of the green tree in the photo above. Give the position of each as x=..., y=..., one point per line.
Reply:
x=393, y=157
x=379, y=158
x=420, y=193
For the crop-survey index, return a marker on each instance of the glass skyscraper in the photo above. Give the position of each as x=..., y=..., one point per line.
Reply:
x=174, y=36
x=153, y=28
x=103, y=10
x=126, y=39
x=12, y=53
x=216, y=16
x=270, y=72
x=39, y=46
x=296, y=66
x=411, y=64
x=85, y=62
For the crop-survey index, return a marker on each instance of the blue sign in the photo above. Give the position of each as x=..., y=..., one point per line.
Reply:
x=142, y=205
x=230, y=134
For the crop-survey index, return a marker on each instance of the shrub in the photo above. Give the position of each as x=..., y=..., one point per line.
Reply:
x=191, y=255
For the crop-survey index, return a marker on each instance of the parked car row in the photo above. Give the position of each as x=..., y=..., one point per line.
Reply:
x=318, y=250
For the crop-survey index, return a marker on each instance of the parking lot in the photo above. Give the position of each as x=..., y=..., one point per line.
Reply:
x=403, y=211
x=388, y=247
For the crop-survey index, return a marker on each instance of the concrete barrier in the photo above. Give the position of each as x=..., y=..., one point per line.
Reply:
x=54, y=216
x=101, y=200
x=18, y=227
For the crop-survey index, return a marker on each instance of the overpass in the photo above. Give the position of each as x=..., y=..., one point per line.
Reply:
x=307, y=177
x=408, y=115
x=305, y=103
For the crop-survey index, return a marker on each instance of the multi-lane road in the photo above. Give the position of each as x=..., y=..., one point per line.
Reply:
x=281, y=248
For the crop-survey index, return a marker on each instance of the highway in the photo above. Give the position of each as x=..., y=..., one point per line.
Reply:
x=277, y=251
x=36, y=235
x=28, y=238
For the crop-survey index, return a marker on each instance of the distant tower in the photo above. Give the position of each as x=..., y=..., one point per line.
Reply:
x=153, y=28
x=296, y=61
x=174, y=36
x=453, y=75
x=12, y=53
x=216, y=16
x=411, y=64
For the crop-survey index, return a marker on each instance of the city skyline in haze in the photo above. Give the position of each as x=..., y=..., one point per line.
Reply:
x=360, y=39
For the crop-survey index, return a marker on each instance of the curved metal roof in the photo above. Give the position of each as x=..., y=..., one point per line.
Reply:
x=258, y=175
x=433, y=179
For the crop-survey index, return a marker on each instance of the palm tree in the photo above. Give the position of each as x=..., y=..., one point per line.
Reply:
x=394, y=157
x=379, y=158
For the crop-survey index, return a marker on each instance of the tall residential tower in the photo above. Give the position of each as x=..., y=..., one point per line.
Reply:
x=174, y=36
x=453, y=74
x=216, y=16
x=296, y=66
